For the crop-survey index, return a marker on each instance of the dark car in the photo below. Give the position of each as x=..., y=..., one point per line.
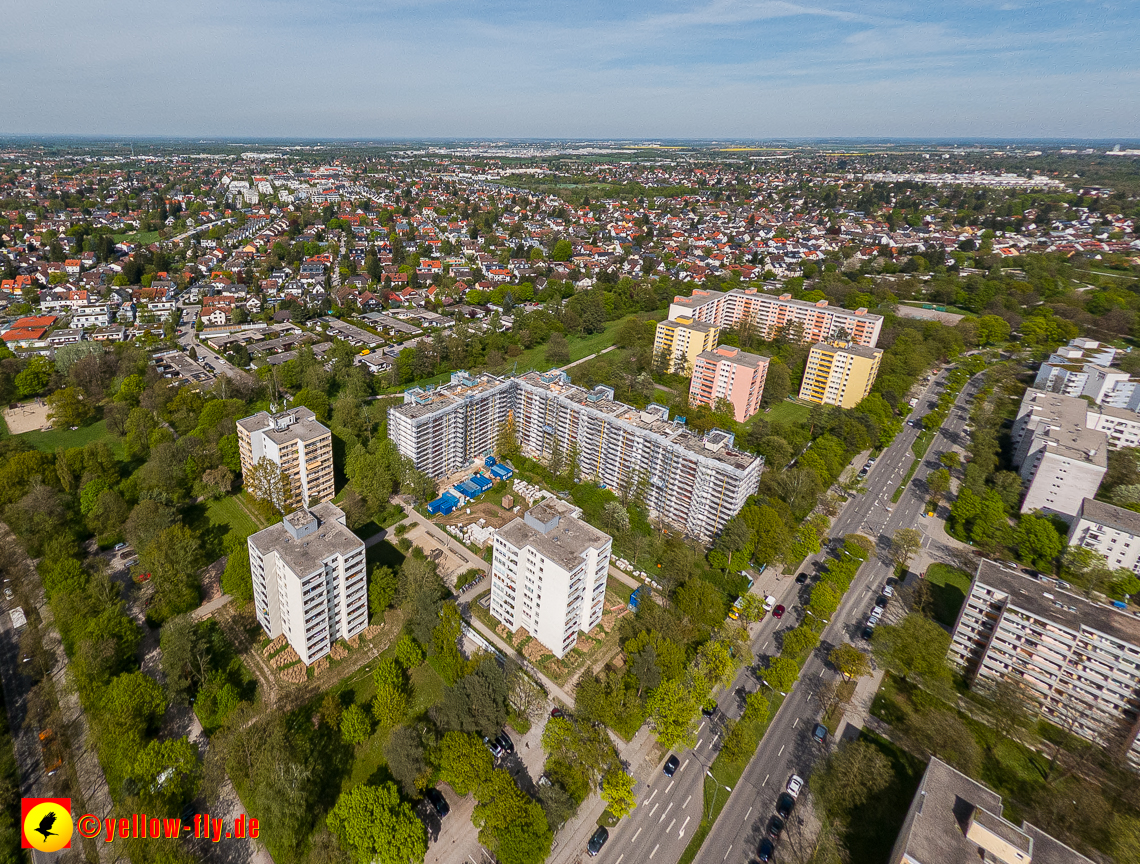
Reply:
x=784, y=805
x=556, y=712
x=801, y=579
x=867, y=631
x=671, y=766
x=775, y=827
x=504, y=741
x=438, y=802
x=882, y=601
x=597, y=841
x=778, y=612
x=819, y=733
x=709, y=709
x=767, y=847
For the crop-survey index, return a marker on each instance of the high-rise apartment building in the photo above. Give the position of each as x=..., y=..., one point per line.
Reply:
x=309, y=580
x=696, y=483
x=682, y=341
x=770, y=315
x=1111, y=531
x=295, y=442
x=729, y=373
x=1077, y=661
x=1059, y=458
x=839, y=374
x=548, y=575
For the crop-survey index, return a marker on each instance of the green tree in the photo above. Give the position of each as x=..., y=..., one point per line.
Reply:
x=133, y=703
x=1039, y=543
x=377, y=827
x=799, y=641
x=464, y=763
x=167, y=773
x=938, y=482
x=672, y=711
x=237, y=580
x=269, y=485
x=850, y=661
x=950, y=459
x=35, y=377
x=915, y=647
x=382, y=584
x=355, y=727
x=409, y=654
x=617, y=792
x=331, y=709
x=67, y=407
x=562, y=251
x=781, y=674
x=849, y=777
x=905, y=545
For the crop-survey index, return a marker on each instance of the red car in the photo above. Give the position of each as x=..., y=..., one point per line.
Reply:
x=778, y=612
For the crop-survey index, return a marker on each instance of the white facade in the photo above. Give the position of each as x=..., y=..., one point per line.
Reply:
x=548, y=575
x=1120, y=426
x=309, y=580
x=91, y=316
x=1111, y=531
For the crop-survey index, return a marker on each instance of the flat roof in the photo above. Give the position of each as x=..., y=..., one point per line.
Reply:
x=1062, y=607
x=303, y=428
x=688, y=324
x=723, y=353
x=707, y=296
x=304, y=555
x=856, y=350
x=565, y=543
x=1110, y=515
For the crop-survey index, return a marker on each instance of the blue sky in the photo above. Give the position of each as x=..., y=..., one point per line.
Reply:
x=622, y=69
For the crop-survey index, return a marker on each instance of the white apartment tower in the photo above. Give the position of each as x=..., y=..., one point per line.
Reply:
x=295, y=442
x=309, y=580
x=548, y=575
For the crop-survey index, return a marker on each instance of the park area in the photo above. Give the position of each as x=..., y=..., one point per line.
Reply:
x=24, y=417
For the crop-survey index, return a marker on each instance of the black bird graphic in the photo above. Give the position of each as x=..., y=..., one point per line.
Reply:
x=45, y=826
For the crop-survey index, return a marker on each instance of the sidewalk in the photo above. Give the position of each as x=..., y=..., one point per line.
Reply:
x=570, y=842
x=551, y=688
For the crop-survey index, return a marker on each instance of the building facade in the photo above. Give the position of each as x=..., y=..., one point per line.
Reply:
x=548, y=575
x=729, y=373
x=295, y=442
x=1111, y=531
x=695, y=483
x=309, y=580
x=1078, y=662
x=771, y=315
x=681, y=341
x=1060, y=460
x=838, y=374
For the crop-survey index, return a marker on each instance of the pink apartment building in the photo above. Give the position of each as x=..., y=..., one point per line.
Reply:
x=729, y=373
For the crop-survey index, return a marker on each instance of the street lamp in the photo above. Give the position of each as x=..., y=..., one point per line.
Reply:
x=716, y=791
x=809, y=612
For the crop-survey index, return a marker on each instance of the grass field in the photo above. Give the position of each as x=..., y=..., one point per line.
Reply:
x=948, y=589
x=143, y=237
x=214, y=520
x=784, y=412
x=535, y=358
x=81, y=437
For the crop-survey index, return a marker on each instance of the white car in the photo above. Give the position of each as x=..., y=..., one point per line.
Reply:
x=888, y=591
x=795, y=785
x=769, y=602
x=876, y=614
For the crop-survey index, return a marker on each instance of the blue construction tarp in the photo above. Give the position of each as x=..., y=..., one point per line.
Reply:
x=468, y=489
x=501, y=471
x=484, y=483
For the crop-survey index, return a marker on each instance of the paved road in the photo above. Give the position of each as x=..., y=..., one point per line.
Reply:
x=669, y=810
x=787, y=748
x=179, y=238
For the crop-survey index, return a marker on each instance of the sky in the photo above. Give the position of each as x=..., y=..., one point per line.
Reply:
x=709, y=69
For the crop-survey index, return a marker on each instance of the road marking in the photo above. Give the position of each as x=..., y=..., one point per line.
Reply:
x=650, y=798
x=654, y=852
x=700, y=741
x=667, y=788
x=749, y=813
x=619, y=858
x=683, y=824
x=682, y=768
x=729, y=849
x=671, y=824
x=794, y=722
x=781, y=750
x=820, y=673
x=687, y=800
x=699, y=728
x=654, y=810
x=666, y=813
x=634, y=838
x=766, y=776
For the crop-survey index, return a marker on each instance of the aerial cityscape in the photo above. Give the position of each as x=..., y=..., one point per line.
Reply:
x=643, y=434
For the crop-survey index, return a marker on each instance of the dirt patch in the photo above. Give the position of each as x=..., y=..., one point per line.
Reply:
x=495, y=515
x=26, y=417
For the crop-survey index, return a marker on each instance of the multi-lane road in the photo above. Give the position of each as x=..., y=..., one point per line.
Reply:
x=670, y=809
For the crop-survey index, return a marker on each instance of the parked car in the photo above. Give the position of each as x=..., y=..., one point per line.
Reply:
x=778, y=612
x=709, y=708
x=888, y=591
x=795, y=784
x=671, y=765
x=775, y=827
x=784, y=805
x=495, y=749
x=8, y=594
x=767, y=847
x=504, y=741
x=882, y=601
x=876, y=614
x=438, y=802
x=597, y=841
x=801, y=579
x=819, y=733
x=556, y=712
x=867, y=631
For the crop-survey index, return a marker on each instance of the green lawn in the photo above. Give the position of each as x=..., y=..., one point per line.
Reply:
x=143, y=237
x=949, y=587
x=427, y=688
x=81, y=437
x=784, y=412
x=214, y=520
